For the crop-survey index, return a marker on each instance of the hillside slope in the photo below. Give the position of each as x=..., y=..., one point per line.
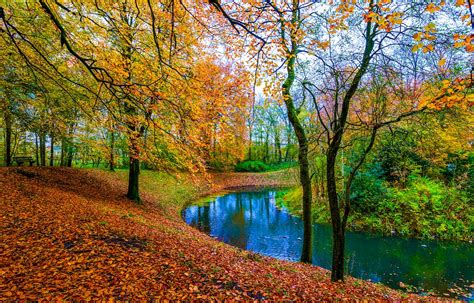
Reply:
x=71, y=234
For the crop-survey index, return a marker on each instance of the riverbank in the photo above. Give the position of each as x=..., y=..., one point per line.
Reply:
x=413, y=215
x=70, y=234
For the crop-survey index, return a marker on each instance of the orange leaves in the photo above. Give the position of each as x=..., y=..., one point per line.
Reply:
x=428, y=48
x=417, y=36
x=464, y=41
x=451, y=93
x=143, y=253
x=432, y=8
x=395, y=18
x=384, y=21
x=323, y=44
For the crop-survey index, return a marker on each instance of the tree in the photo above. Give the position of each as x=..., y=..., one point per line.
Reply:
x=341, y=111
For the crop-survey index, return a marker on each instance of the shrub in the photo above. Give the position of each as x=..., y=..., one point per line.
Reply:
x=367, y=191
x=251, y=166
x=430, y=209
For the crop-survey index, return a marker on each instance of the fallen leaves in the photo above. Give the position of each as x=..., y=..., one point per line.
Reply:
x=53, y=247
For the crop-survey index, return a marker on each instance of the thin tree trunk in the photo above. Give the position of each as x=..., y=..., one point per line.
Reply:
x=278, y=147
x=63, y=151
x=51, y=155
x=42, y=138
x=37, y=150
x=112, y=151
x=265, y=157
x=8, y=136
x=287, y=151
x=338, y=128
x=305, y=179
x=250, y=145
x=70, y=156
x=70, y=146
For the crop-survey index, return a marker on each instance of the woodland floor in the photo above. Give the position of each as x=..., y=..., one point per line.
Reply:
x=70, y=234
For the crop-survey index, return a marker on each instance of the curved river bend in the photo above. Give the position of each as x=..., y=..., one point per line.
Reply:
x=251, y=220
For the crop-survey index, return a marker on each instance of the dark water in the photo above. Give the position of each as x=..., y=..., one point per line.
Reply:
x=250, y=220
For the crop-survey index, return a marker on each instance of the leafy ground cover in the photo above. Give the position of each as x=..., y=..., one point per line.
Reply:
x=69, y=234
x=426, y=209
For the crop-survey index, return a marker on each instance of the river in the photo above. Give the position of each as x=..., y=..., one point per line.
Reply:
x=252, y=221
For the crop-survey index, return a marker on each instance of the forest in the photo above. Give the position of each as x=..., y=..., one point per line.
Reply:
x=236, y=150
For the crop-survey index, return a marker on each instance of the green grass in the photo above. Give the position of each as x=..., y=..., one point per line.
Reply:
x=259, y=166
x=171, y=192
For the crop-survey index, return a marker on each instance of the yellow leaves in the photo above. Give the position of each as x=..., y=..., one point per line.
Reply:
x=345, y=7
x=430, y=27
x=385, y=22
x=442, y=62
x=453, y=93
x=416, y=47
x=460, y=2
x=427, y=35
x=395, y=18
x=370, y=15
x=323, y=44
x=417, y=36
x=458, y=44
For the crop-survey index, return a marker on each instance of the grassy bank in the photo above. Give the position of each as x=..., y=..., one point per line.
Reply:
x=69, y=234
x=425, y=209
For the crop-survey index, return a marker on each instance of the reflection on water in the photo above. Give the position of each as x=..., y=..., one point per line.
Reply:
x=250, y=220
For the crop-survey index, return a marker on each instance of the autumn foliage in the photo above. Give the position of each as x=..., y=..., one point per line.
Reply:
x=69, y=234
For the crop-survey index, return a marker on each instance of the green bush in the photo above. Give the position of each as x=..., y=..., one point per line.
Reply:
x=427, y=208
x=251, y=166
x=281, y=165
x=368, y=190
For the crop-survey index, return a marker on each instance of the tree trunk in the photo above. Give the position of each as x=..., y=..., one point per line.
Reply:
x=265, y=156
x=305, y=179
x=287, y=151
x=278, y=147
x=334, y=144
x=42, y=138
x=337, y=273
x=37, y=150
x=134, y=171
x=70, y=145
x=306, y=255
x=250, y=145
x=112, y=151
x=63, y=151
x=70, y=155
x=338, y=240
x=51, y=155
x=8, y=136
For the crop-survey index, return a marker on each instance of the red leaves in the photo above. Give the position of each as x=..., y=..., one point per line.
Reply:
x=71, y=235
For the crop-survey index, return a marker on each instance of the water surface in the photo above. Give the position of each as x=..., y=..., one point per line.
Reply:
x=251, y=220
